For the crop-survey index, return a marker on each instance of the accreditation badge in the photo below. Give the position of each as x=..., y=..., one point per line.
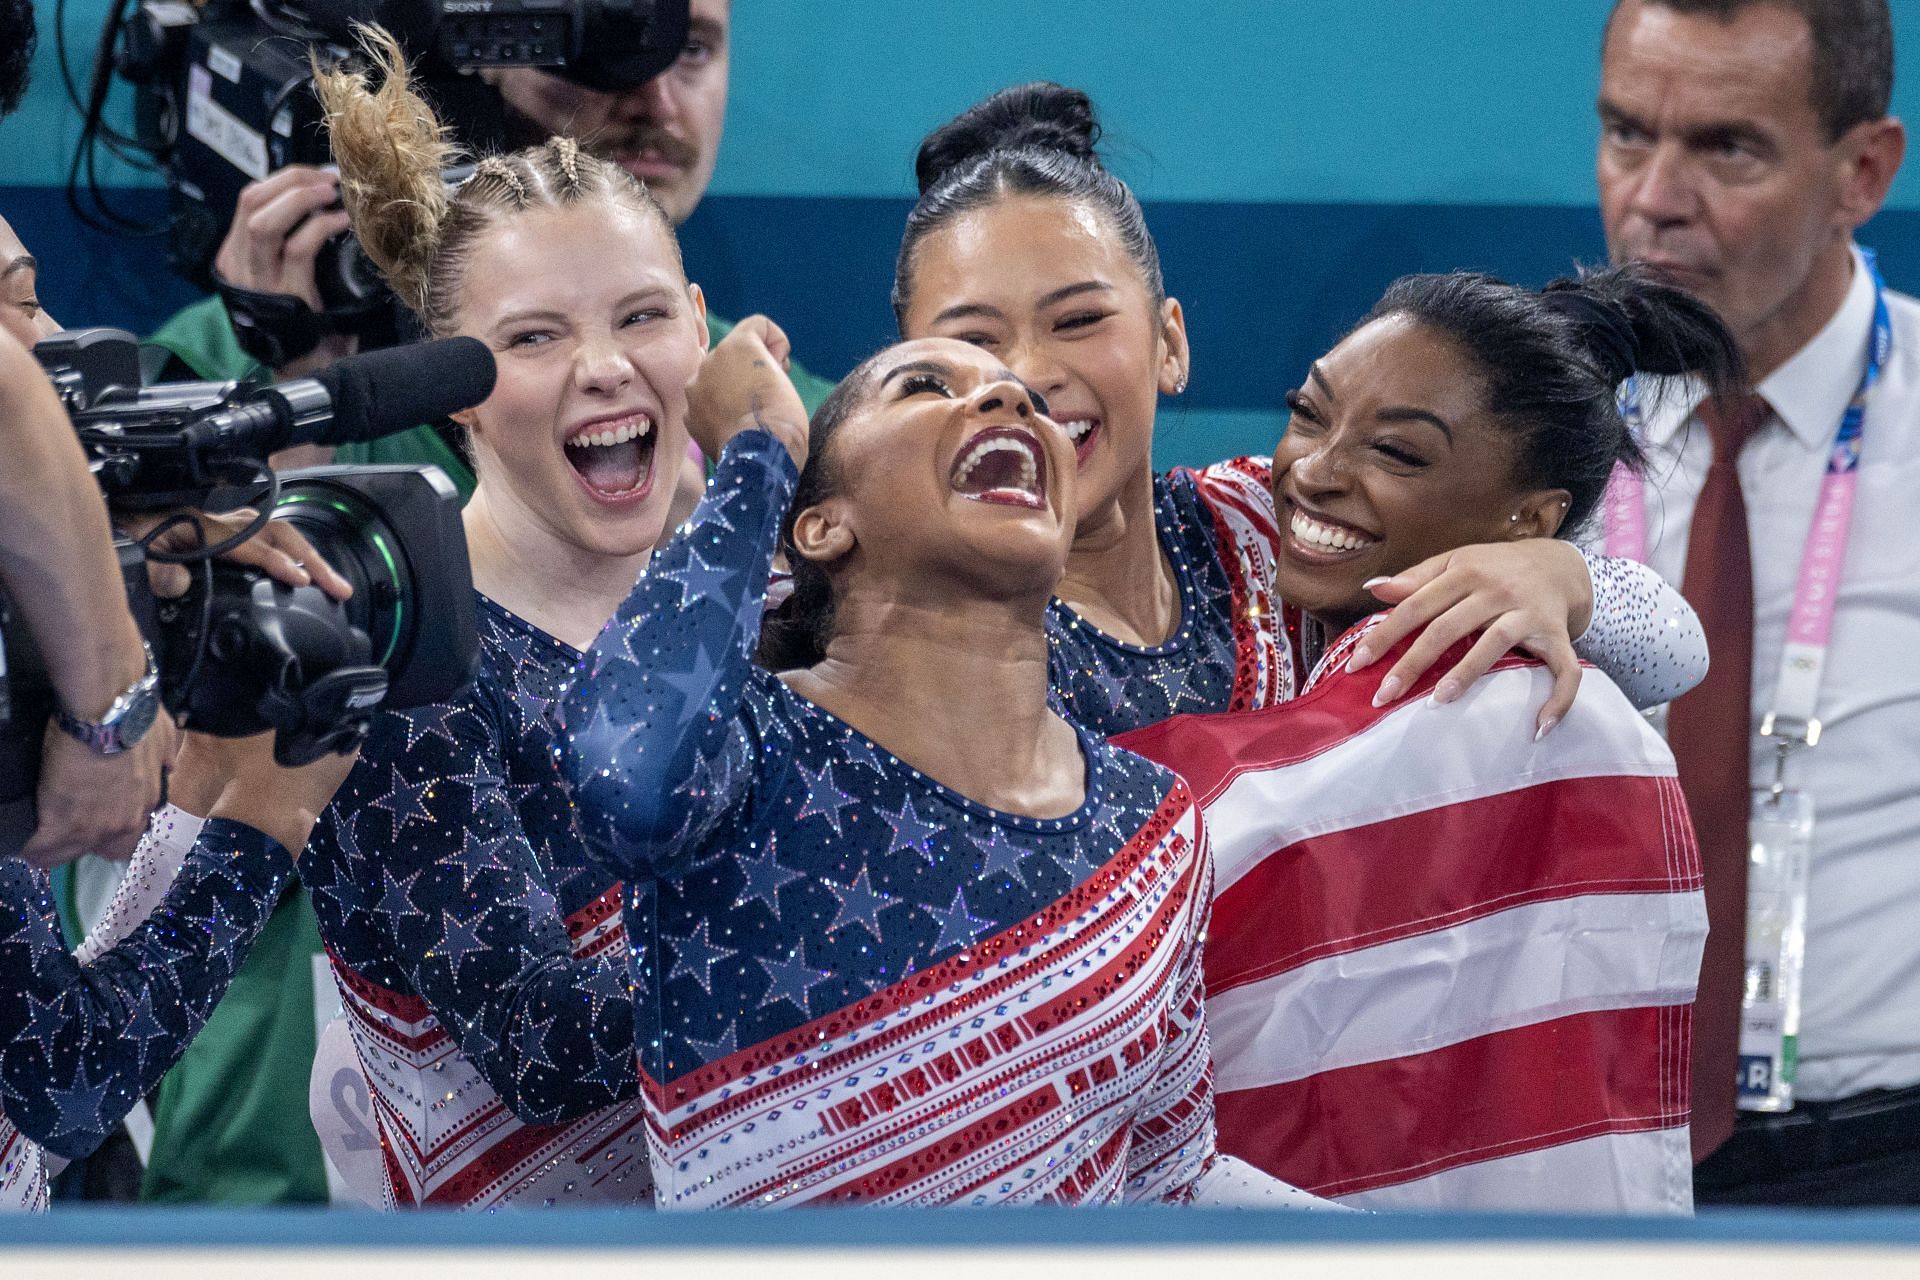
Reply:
x=1779, y=857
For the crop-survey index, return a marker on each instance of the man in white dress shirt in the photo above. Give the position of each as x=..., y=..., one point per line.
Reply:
x=1743, y=143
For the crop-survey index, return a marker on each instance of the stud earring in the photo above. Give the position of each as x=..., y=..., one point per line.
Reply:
x=1513, y=519
x=1180, y=385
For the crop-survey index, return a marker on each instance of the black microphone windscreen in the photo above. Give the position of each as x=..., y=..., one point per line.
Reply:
x=381, y=392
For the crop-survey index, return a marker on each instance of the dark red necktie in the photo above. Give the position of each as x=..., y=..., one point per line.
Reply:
x=1710, y=730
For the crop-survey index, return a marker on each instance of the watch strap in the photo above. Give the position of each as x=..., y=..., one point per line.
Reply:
x=109, y=735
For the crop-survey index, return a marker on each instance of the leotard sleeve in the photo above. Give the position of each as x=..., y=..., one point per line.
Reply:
x=427, y=831
x=657, y=745
x=1644, y=634
x=79, y=1043
x=156, y=863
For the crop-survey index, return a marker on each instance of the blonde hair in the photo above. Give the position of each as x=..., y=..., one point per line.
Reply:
x=392, y=149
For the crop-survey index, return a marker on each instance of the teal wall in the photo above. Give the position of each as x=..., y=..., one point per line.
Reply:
x=1294, y=156
x=1393, y=101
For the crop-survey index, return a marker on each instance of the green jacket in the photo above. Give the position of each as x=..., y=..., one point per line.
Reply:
x=230, y=1120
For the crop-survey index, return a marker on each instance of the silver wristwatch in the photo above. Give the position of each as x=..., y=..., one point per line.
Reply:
x=126, y=721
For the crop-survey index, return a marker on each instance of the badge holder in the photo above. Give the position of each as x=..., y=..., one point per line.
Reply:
x=1779, y=857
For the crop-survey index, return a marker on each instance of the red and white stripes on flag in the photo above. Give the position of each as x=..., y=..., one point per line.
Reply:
x=1449, y=967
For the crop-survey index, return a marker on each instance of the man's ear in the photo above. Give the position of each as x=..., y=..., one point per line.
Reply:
x=822, y=533
x=1177, y=364
x=699, y=301
x=1540, y=513
x=1870, y=154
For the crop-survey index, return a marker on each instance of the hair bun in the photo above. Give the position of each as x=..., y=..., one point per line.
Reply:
x=1633, y=314
x=1042, y=115
x=1606, y=329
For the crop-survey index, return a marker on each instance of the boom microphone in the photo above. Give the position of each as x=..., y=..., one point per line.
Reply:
x=356, y=399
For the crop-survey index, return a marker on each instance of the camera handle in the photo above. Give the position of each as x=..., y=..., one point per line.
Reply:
x=277, y=328
x=333, y=713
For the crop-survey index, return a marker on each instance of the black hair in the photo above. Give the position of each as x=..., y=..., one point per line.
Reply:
x=795, y=635
x=16, y=52
x=1552, y=362
x=1033, y=139
x=1852, y=72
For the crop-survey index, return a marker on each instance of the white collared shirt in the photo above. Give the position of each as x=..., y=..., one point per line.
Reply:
x=1861, y=1023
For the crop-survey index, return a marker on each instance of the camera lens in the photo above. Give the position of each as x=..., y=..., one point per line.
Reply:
x=395, y=534
x=345, y=276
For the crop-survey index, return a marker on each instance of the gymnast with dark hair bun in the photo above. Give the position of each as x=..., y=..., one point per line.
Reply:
x=1025, y=245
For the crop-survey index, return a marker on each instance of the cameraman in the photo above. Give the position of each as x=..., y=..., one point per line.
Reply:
x=666, y=132
x=57, y=563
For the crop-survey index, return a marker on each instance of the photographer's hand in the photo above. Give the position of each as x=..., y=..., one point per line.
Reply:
x=278, y=549
x=57, y=563
x=279, y=225
x=89, y=803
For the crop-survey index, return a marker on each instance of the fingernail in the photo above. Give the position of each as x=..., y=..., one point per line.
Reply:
x=1371, y=583
x=1446, y=691
x=1388, y=691
x=1361, y=657
x=1546, y=727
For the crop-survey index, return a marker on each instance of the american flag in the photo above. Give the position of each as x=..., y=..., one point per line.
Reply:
x=1449, y=967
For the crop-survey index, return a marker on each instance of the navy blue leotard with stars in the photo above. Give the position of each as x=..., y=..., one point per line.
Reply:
x=81, y=1043
x=853, y=984
x=480, y=955
x=1227, y=652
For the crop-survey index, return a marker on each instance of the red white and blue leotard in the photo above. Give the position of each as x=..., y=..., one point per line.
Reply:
x=854, y=985
x=481, y=958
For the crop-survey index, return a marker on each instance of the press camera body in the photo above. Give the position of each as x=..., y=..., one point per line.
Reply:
x=240, y=653
x=224, y=94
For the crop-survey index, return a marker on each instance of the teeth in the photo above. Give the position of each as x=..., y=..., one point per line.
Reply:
x=632, y=429
x=1326, y=537
x=1029, y=468
x=1078, y=428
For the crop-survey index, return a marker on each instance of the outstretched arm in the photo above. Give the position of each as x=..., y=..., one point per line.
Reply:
x=82, y=1037
x=655, y=747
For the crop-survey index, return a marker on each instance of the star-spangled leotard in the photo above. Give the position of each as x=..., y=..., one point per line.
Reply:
x=479, y=955
x=1237, y=646
x=855, y=985
x=83, y=1036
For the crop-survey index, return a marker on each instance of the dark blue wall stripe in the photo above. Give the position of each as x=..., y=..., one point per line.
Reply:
x=1267, y=287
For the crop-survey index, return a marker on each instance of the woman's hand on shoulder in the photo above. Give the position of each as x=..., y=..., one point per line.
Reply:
x=1534, y=595
x=743, y=386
